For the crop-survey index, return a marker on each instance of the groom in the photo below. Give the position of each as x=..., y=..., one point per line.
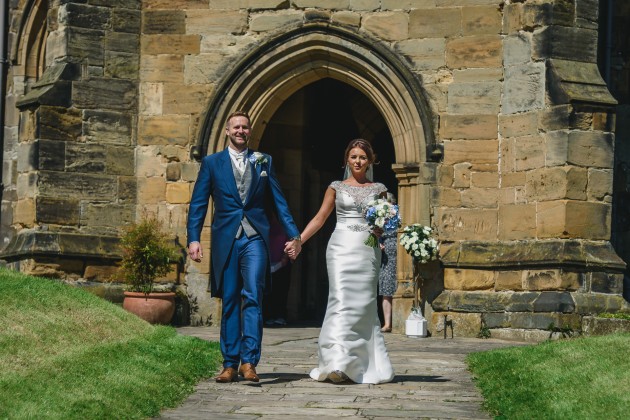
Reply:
x=239, y=181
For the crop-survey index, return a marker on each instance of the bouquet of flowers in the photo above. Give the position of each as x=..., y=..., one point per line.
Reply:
x=381, y=214
x=419, y=243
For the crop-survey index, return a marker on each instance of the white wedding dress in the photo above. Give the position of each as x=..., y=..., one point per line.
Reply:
x=350, y=340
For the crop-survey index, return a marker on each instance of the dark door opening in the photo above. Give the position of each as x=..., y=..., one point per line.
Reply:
x=307, y=137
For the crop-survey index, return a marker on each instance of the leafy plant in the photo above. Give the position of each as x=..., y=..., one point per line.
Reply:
x=615, y=316
x=565, y=331
x=148, y=253
x=484, y=331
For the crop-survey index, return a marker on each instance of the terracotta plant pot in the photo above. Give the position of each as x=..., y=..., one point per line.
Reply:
x=155, y=308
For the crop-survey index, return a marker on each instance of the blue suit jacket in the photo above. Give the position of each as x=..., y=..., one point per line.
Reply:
x=216, y=179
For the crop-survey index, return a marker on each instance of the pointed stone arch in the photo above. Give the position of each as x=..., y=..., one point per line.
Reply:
x=267, y=76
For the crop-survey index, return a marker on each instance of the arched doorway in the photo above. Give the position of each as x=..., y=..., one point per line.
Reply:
x=307, y=136
x=272, y=73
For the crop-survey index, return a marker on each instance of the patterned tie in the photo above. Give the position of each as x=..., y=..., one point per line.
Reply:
x=240, y=162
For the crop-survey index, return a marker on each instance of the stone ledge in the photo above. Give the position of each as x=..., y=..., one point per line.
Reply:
x=573, y=81
x=592, y=256
x=28, y=243
x=602, y=326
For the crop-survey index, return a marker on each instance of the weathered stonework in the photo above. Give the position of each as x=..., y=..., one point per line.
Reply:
x=500, y=123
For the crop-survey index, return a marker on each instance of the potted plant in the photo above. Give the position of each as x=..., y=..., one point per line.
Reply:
x=148, y=254
x=418, y=241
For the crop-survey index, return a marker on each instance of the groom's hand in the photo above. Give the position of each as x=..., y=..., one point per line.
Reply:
x=195, y=251
x=293, y=249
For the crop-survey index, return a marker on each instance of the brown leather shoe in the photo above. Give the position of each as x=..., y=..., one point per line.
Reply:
x=248, y=372
x=228, y=374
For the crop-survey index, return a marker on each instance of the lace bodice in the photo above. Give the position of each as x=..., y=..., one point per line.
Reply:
x=350, y=201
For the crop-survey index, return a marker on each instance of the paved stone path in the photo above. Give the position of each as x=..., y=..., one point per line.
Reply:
x=431, y=382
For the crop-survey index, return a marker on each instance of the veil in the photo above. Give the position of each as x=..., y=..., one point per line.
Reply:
x=369, y=174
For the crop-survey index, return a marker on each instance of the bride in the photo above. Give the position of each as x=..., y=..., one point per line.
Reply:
x=351, y=345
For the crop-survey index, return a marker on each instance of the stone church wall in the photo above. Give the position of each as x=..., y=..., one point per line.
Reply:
x=521, y=197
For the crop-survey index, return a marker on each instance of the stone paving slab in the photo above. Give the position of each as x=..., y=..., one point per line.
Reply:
x=432, y=381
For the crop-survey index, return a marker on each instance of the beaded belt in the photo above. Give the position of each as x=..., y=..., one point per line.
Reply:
x=359, y=227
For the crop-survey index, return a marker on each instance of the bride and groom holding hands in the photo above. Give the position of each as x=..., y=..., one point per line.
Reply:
x=240, y=182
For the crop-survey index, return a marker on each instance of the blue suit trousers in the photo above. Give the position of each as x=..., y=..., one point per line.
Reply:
x=243, y=284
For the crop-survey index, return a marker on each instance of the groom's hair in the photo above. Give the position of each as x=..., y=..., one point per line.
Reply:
x=238, y=114
x=363, y=145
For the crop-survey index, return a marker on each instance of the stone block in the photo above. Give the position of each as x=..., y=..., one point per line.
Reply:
x=474, y=51
x=480, y=198
x=323, y=4
x=445, y=176
x=518, y=125
x=481, y=20
x=522, y=302
x=591, y=149
x=461, y=175
x=435, y=23
x=208, y=22
x=464, y=325
x=171, y=44
x=517, y=49
x=84, y=45
x=151, y=98
x=345, y=17
x=524, y=88
x=149, y=162
x=107, y=215
x=517, y=221
x=514, y=179
x=151, y=190
x=189, y=4
x=472, y=127
x=108, y=127
x=26, y=185
x=600, y=184
x=476, y=152
x=542, y=321
x=84, y=157
x=464, y=279
x=602, y=282
x=406, y=4
x=556, y=183
x=552, y=279
x=594, y=326
x=164, y=21
x=99, y=93
x=425, y=54
x=446, y=197
x=56, y=123
x=574, y=219
x=189, y=171
x=85, y=16
x=508, y=280
x=467, y=224
x=178, y=192
x=77, y=185
x=597, y=303
x=554, y=302
x=474, y=98
x=164, y=68
x=365, y=5
x=27, y=156
x=126, y=20
x=186, y=99
x=567, y=43
x=122, y=42
x=171, y=129
x=554, y=118
x=484, y=179
x=121, y=65
x=528, y=152
x=317, y=15
x=173, y=171
x=496, y=320
x=556, y=148
x=205, y=68
x=390, y=26
x=478, y=75
x=24, y=212
x=127, y=189
x=120, y=161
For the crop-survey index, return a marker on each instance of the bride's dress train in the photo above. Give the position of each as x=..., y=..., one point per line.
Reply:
x=350, y=340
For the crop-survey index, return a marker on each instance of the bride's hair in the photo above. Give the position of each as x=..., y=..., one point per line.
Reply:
x=363, y=145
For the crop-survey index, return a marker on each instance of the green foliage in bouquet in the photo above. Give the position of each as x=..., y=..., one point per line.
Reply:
x=418, y=241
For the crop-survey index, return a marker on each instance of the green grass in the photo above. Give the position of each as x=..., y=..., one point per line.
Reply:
x=66, y=354
x=582, y=378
